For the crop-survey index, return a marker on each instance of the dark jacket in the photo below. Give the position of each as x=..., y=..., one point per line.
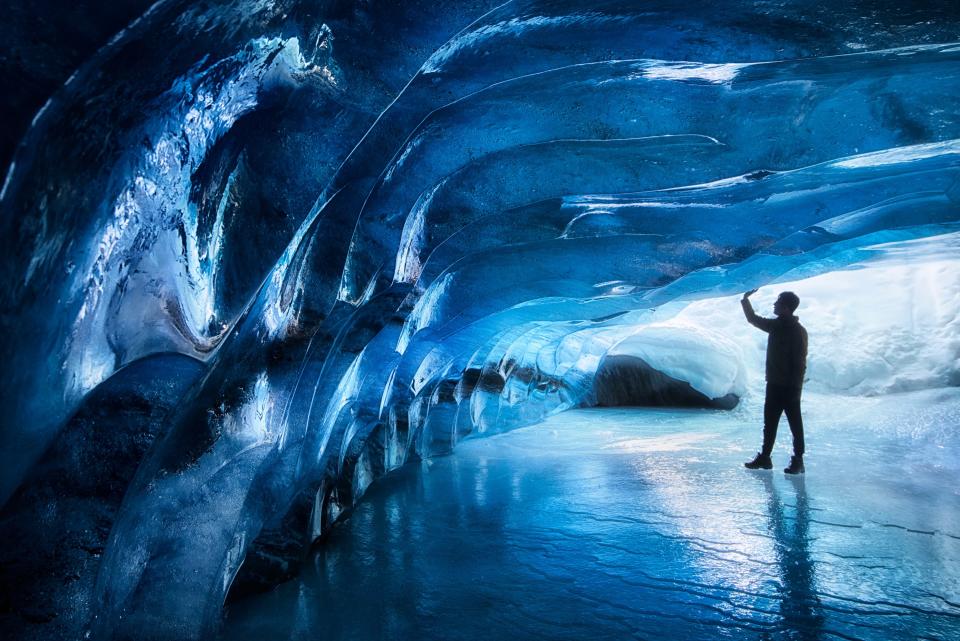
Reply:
x=786, y=346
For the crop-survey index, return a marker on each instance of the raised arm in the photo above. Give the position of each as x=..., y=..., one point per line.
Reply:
x=766, y=324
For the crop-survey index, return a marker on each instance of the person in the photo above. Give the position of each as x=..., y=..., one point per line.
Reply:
x=786, y=365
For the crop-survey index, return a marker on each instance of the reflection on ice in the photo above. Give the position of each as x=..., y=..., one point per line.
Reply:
x=800, y=605
x=605, y=523
x=386, y=231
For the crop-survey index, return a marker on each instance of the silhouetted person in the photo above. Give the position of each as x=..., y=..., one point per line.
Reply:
x=786, y=364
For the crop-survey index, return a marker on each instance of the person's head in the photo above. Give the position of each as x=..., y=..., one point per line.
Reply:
x=786, y=304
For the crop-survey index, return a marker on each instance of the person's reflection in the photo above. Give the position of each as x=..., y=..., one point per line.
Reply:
x=800, y=605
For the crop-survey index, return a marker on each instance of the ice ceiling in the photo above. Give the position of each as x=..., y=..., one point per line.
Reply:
x=387, y=226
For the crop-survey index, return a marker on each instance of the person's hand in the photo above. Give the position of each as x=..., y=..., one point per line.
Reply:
x=748, y=294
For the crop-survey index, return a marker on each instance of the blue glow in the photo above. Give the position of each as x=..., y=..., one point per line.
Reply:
x=383, y=232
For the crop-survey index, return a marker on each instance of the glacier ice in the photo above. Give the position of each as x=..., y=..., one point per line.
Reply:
x=383, y=230
x=610, y=523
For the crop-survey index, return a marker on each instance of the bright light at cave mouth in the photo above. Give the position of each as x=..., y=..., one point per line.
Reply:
x=259, y=255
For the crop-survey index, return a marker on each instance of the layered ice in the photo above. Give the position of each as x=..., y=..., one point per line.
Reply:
x=386, y=230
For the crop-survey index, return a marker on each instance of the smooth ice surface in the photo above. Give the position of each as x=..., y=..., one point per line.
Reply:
x=385, y=228
x=643, y=524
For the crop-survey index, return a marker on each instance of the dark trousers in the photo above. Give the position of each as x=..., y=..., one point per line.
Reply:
x=782, y=399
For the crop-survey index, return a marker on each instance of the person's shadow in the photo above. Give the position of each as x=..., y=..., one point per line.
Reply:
x=800, y=607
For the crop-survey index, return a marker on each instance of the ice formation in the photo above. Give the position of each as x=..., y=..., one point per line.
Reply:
x=386, y=228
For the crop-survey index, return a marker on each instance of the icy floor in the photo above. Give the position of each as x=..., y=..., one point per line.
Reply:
x=617, y=524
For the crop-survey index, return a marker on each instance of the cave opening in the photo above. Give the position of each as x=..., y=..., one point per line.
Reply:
x=271, y=270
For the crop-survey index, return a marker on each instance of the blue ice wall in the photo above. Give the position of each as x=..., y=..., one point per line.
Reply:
x=385, y=227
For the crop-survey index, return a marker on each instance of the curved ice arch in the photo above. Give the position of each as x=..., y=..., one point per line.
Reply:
x=606, y=30
x=737, y=216
x=266, y=468
x=689, y=100
x=72, y=159
x=489, y=187
x=143, y=283
x=414, y=433
x=330, y=459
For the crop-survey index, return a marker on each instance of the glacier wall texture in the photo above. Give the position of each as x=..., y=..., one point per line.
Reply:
x=384, y=227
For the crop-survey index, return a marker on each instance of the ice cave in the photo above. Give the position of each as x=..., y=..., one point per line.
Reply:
x=421, y=320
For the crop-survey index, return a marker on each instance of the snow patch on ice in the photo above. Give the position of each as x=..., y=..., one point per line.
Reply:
x=888, y=325
x=712, y=363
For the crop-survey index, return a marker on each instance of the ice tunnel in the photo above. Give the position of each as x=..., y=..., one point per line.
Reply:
x=258, y=255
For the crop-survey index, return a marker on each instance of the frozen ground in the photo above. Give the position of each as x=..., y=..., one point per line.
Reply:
x=617, y=524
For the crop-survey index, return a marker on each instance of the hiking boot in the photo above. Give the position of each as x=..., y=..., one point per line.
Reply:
x=796, y=466
x=759, y=462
